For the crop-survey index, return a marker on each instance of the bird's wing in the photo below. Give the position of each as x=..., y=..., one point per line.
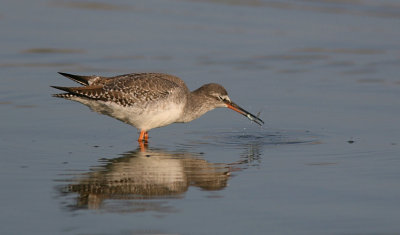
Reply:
x=126, y=90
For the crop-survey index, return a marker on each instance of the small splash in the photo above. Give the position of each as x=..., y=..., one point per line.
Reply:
x=276, y=137
x=238, y=139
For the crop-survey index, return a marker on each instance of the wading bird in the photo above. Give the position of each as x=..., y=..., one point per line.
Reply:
x=148, y=100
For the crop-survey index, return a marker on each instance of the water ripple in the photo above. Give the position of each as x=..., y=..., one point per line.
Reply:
x=240, y=139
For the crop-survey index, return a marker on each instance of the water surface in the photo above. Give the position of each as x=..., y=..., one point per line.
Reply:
x=322, y=74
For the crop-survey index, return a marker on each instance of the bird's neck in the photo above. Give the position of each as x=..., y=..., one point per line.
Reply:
x=196, y=105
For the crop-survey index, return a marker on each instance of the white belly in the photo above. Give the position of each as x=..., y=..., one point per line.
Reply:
x=147, y=117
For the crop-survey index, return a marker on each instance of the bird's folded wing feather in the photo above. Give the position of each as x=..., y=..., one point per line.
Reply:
x=126, y=90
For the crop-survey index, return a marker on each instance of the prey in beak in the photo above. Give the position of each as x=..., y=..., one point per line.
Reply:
x=237, y=108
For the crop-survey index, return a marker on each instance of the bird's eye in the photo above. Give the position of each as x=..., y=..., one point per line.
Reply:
x=219, y=97
x=223, y=98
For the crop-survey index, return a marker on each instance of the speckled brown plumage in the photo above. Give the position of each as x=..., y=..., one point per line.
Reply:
x=148, y=100
x=125, y=90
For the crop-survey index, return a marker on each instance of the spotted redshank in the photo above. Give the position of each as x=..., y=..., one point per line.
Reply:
x=148, y=100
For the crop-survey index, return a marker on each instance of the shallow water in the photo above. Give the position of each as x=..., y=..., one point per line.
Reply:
x=322, y=74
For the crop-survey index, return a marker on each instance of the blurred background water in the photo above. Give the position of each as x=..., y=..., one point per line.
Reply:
x=324, y=76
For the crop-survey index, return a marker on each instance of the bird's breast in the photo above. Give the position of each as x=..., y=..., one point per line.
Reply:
x=144, y=115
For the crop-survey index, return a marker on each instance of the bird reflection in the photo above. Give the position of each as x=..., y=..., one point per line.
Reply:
x=147, y=174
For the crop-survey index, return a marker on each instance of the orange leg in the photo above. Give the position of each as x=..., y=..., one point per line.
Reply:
x=144, y=136
x=141, y=136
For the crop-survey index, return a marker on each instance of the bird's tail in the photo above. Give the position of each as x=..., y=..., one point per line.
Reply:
x=83, y=80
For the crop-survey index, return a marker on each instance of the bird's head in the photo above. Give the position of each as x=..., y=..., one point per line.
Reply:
x=218, y=96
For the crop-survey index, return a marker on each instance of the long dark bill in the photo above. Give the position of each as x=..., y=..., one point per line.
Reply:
x=250, y=116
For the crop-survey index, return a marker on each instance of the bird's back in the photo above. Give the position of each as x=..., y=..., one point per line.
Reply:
x=144, y=100
x=126, y=90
